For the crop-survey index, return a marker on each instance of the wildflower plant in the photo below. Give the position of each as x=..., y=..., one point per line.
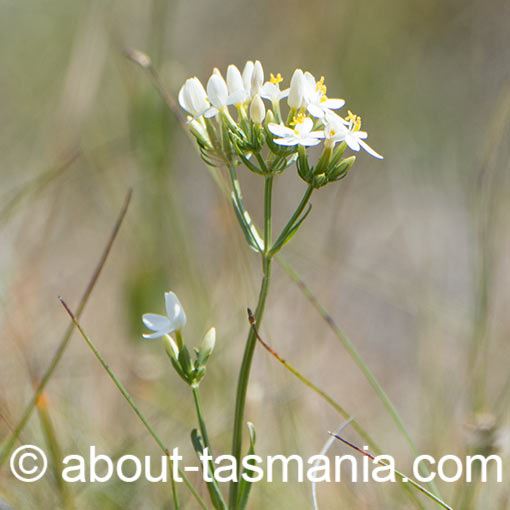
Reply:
x=239, y=122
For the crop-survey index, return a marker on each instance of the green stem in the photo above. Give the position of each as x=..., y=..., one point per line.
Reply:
x=131, y=402
x=297, y=213
x=214, y=490
x=244, y=373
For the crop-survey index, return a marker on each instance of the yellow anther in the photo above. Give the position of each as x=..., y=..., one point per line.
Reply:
x=298, y=119
x=320, y=87
x=276, y=79
x=355, y=119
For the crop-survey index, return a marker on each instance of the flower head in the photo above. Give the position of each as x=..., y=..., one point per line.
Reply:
x=271, y=89
x=300, y=134
x=348, y=130
x=174, y=320
x=317, y=103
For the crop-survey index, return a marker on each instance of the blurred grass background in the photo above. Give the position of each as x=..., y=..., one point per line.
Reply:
x=410, y=255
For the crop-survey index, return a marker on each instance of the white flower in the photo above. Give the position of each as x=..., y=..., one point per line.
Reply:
x=217, y=91
x=193, y=98
x=257, y=110
x=174, y=320
x=271, y=89
x=302, y=133
x=297, y=89
x=317, y=103
x=348, y=131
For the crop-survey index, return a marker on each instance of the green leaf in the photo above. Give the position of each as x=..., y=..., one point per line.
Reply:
x=247, y=226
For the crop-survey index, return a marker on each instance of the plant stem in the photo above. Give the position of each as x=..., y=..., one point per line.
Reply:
x=281, y=238
x=244, y=373
x=131, y=402
x=214, y=490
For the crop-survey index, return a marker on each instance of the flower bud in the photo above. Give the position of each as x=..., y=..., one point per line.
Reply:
x=217, y=90
x=192, y=97
x=234, y=79
x=257, y=78
x=207, y=347
x=296, y=91
x=247, y=74
x=257, y=110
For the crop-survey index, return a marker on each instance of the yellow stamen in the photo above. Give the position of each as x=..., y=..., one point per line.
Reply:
x=320, y=87
x=355, y=119
x=276, y=79
x=298, y=119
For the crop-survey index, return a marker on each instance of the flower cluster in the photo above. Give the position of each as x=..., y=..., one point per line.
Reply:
x=312, y=119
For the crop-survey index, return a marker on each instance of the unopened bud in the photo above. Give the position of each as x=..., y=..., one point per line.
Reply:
x=297, y=87
x=257, y=110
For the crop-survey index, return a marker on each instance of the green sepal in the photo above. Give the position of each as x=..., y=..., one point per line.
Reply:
x=341, y=169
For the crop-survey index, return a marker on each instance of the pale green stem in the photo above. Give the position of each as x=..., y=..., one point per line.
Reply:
x=244, y=373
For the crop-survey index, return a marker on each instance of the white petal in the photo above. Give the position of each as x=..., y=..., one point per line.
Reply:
x=175, y=312
x=309, y=84
x=257, y=78
x=270, y=91
x=352, y=141
x=315, y=110
x=234, y=79
x=370, y=150
x=217, y=90
x=309, y=141
x=333, y=104
x=156, y=322
x=197, y=95
x=247, y=74
x=280, y=130
x=284, y=94
x=287, y=141
x=151, y=336
x=211, y=112
x=238, y=97
x=303, y=128
x=361, y=134
x=183, y=99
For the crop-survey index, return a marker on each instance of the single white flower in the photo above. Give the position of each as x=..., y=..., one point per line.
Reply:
x=193, y=98
x=302, y=133
x=348, y=131
x=257, y=110
x=217, y=91
x=271, y=89
x=317, y=103
x=297, y=89
x=162, y=325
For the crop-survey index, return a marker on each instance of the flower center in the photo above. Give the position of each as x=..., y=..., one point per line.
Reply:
x=298, y=119
x=355, y=120
x=276, y=79
x=320, y=87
